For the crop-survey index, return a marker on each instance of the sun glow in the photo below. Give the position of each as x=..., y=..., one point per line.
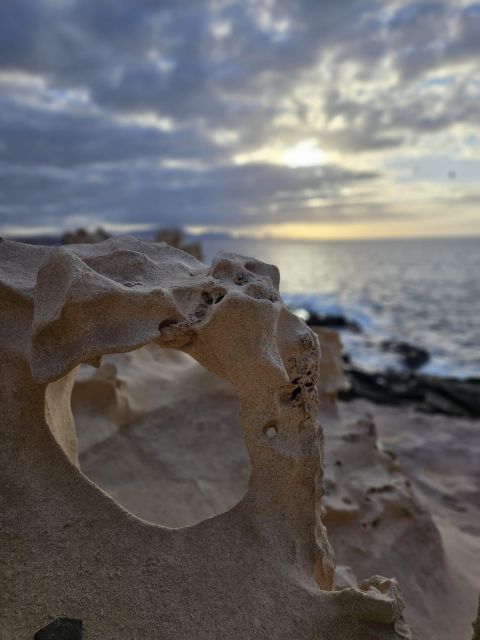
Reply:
x=304, y=154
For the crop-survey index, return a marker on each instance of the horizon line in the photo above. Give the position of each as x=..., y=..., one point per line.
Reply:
x=19, y=234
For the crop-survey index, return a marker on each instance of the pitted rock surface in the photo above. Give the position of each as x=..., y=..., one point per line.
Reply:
x=264, y=568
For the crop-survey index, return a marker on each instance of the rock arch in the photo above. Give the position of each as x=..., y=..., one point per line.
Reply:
x=263, y=569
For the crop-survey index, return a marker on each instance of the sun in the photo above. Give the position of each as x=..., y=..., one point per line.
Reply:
x=304, y=154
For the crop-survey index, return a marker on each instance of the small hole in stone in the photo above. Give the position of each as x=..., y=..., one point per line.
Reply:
x=338, y=463
x=166, y=323
x=240, y=278
x=270, y=430
x=207, y=298
x=295, y=393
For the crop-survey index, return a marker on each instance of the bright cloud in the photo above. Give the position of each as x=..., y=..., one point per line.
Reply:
x=329, y=118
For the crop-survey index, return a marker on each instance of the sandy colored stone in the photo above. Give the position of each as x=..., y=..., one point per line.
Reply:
x=263, y=569
x=331, y=379
x=136, y=446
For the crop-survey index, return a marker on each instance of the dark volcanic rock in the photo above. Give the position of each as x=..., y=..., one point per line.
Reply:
x=83, y=236
x=175, y=238
x=61, y=629
x=412, y=357
x=476, y=624
x=332, y=321
x=449, y=396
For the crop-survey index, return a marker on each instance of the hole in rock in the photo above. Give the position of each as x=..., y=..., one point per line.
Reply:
x=270, y=430
x=161, y=435
x=295, y=393
x=207, y=298
x=166, y=323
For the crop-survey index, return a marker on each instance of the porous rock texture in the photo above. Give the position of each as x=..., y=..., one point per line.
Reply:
x=175, y=462
x=263, y=569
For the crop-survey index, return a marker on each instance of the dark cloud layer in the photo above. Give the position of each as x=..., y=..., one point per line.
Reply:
x=134, y=110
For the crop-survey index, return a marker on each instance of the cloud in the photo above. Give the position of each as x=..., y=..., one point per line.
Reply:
x=139, y=110
x=160, y=195
x=55, y=137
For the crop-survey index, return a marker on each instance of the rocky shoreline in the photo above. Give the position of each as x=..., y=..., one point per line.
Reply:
x=427, y=393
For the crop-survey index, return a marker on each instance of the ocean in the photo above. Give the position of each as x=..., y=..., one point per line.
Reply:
x=422, y=291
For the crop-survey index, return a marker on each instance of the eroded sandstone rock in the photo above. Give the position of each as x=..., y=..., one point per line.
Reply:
x=132, y=419
x=264, y=569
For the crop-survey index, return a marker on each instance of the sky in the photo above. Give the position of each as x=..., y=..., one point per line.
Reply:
x=284, y=118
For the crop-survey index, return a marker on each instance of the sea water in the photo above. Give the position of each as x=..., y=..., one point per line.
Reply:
x=422, y=291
